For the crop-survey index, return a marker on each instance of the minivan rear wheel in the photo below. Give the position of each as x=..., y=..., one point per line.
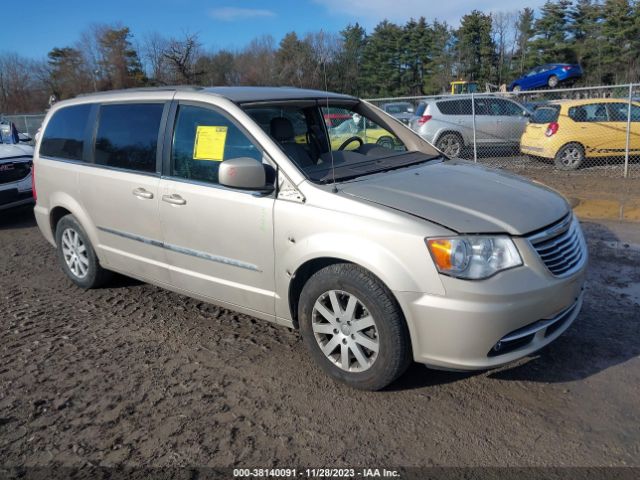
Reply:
x=450, y=144
x=553, y=81
x=353, y=327
x=76, y=255
x=570, y=157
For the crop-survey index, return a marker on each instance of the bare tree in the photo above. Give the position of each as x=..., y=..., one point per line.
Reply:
x=21, y=90
x=182, y=55
x=503, y=35
x=154, y=47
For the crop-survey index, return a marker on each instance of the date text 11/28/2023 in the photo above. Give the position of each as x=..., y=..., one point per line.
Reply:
x=315, y=473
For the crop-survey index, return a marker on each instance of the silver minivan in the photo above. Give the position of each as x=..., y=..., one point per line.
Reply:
x=448, y=123
x=379, y=253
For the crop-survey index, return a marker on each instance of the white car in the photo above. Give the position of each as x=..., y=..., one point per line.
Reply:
x=16, y=161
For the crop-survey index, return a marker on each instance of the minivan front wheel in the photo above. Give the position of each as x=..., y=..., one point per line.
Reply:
x=450, y=144
x=76, y=255
x=570, y=157
x=353, y=327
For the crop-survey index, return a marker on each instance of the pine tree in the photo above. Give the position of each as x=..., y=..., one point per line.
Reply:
x=475, y=46
x=552, y=33
x=381, y=64
x=525, y=31
x=349, y=63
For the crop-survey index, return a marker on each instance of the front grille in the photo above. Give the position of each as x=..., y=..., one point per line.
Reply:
x=561, y=247
x=14, y=171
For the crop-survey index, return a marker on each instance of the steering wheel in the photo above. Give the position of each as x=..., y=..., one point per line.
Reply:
x=349, y=140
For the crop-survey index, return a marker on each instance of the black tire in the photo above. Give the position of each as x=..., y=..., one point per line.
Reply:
x=570, y=157
x=552, y=81
x=516, y=88
x=95, y=276
x=391, y=333
x=451, y=144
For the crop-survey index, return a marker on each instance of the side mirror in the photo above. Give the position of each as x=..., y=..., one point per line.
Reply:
x=244, y=172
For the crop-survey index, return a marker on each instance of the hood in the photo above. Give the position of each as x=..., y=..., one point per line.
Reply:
x=11, y=151
x=464, y=197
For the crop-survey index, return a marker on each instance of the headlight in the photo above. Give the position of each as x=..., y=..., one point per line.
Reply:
x=473, y=257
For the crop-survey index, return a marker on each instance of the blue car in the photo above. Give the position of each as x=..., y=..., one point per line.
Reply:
x=550, y=75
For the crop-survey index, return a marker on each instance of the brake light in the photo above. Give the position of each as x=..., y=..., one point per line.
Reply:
x=33, y=182
x=566, y=69
x=552, y=129
x=424, y=119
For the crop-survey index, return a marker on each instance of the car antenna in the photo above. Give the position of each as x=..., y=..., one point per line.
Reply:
x=326, y=89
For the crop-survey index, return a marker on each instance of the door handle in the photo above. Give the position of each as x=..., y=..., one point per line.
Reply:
x=174, y=199
x=142, y=193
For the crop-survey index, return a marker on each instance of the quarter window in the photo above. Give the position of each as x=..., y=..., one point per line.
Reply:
x=64, y=135
x=202, y=139
x=128, y=136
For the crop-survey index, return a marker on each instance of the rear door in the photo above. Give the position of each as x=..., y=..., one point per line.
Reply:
x=120, y=191
x=618, y=116
x=510, y=120
x=218, y=240
x=593, y=129
x=486, y=122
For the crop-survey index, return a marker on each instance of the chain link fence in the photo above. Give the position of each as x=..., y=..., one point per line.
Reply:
x=585, y=131
x=26, y=124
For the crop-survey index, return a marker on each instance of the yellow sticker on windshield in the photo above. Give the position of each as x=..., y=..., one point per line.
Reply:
x=209, y=143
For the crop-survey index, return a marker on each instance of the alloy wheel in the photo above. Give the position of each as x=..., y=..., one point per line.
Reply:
x=75, y=253
x=345, y=331
x=571, y=157
x=450, y=145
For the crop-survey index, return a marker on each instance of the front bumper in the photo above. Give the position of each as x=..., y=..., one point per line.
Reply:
x=524, y=309
x=16, y=193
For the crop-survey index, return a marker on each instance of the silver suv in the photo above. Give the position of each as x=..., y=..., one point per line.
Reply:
x=378, y=253
x=447, y=123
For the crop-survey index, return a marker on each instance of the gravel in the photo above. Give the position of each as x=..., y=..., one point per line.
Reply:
x=134, y=375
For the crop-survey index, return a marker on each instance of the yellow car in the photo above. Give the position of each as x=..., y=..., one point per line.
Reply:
x=572, y=131
x=367, y=132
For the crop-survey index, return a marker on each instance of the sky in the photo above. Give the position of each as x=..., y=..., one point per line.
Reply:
x=229, y=24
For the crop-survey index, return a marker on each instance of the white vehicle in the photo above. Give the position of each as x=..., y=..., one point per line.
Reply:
x=16, y=162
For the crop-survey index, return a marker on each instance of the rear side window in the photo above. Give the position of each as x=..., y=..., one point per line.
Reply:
x=545, y=114
x=64, y=135
x=128, y=136
x=618, y=112
x=455, y=107
x=595, y=112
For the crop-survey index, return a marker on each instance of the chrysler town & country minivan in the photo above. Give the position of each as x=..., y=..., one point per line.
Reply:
x=379, y=253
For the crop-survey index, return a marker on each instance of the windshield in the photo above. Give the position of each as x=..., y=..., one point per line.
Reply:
x=356, y=146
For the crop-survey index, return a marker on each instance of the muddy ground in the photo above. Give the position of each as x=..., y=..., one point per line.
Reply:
x=135, y=375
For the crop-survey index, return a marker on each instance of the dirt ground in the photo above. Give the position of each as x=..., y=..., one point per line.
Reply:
x=135, y=375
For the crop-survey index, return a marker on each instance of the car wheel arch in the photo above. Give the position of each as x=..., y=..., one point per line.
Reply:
x=454, y=132
x=307, y=269
x=566, y=144
x=62, y=204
